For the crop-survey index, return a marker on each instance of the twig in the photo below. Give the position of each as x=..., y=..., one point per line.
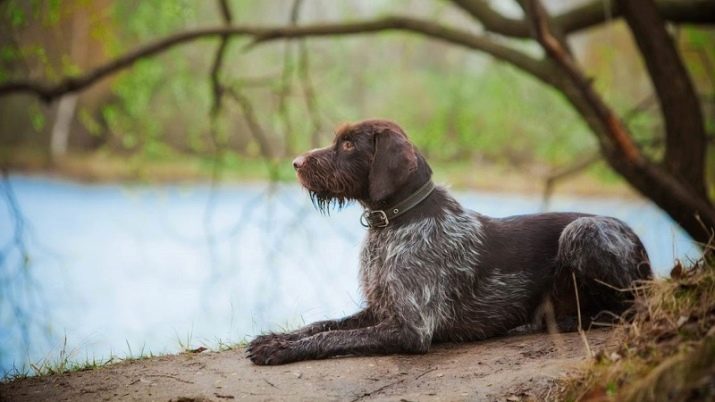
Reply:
x=286, y=86
x=585, y=161
x=639, y=108
x=270, y=383
x=578, y=310
x=171, y=377
x=252, y=121
x=311, y=103
x=560, y=174
x=604, y=324
x=622, y=290
x=218, y=90
x=375, y=391
x=424, y=373
x=217, y=65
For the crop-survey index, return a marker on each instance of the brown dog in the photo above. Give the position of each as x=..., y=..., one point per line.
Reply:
x=432, y=270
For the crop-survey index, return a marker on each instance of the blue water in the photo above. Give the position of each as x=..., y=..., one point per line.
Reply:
x=120, y=270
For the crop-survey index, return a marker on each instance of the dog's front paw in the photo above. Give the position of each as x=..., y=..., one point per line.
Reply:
x=261, y=339
x=268, y=338
x=271, y=351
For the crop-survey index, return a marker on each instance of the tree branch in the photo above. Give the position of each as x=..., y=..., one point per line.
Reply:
x=309, y=96
x=693, y=212
x=685, y=140
x=254, y=126
x=286, y=86
x=227, y=18
x=586, y=15
x=584, y=161
x=492, y=20
x=676, y=11
x=614, y=137
x=50, y=91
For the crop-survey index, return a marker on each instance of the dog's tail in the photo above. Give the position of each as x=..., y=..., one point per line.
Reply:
x=607, y=260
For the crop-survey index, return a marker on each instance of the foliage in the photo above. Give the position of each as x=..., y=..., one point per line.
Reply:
x=455, y=104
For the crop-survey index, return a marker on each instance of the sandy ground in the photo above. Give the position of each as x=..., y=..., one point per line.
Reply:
x=502, y=369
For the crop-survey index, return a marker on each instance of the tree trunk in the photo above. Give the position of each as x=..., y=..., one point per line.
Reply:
x=685, y=141
x=678, y=185
x=59, y=138
x=693, y=212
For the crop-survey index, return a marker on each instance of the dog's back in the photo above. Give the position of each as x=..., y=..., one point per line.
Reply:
x=602, y=254
x=466, y=276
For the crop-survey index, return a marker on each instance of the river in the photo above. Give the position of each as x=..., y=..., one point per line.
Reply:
x=118, y=270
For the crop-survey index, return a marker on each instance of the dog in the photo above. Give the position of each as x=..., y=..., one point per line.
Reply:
x=433, y=271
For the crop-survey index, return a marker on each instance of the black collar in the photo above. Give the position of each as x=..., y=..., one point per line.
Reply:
x=379, y=218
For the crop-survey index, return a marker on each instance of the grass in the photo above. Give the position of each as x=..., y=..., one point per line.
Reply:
x=668, y=349
x=65, y=361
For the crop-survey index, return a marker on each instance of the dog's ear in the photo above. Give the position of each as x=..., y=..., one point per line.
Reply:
x=394, y=160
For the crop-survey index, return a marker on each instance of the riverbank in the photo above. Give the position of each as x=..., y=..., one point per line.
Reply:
x=515, y=368
x=103, y=167
x=666, y=352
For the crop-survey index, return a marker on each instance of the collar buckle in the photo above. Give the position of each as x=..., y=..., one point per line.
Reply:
x=374, y=219
x=381, y=218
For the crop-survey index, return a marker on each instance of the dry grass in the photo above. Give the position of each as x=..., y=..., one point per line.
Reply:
x=667, y=351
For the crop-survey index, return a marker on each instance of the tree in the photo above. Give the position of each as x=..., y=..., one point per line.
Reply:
x=677, y=183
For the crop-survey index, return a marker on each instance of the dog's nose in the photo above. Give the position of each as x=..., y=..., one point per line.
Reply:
x=298, y=162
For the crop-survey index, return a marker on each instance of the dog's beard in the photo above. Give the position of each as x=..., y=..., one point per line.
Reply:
x=328, y=191
x=324, y=202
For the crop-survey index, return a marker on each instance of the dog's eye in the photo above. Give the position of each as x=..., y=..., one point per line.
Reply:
x=347, y=146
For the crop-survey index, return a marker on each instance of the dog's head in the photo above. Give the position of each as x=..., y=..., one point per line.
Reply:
x=371, y=161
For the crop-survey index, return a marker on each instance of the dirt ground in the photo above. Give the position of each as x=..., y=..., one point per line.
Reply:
x=503, y=369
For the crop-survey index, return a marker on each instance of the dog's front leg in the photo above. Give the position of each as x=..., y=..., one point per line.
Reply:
x=384, y=338
x=361, y=319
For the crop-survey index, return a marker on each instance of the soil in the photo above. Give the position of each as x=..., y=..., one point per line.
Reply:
x=514, y=368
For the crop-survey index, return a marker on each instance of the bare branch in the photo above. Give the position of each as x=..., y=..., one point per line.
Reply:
x=670, y=193
x=586, y=15
x=218, y=151
x=286, y=86
x=615, y=137
x=580, y=165
x=584, y=161
x=309, y=93
x=492, y=20
x=685, y=140
x=594, y=13
x=226, y=14
x=252, y=121
x=218, y=59
x=50, y=91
